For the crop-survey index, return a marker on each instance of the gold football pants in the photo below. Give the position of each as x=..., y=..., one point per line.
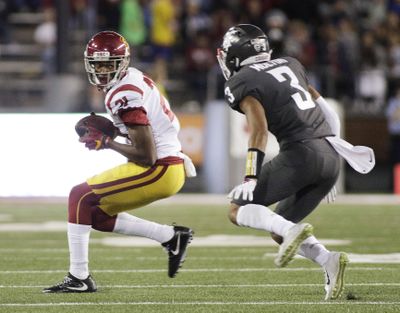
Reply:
x=130, y=186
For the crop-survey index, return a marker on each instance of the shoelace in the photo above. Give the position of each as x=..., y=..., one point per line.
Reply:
x=65, y=281
x=167, y=248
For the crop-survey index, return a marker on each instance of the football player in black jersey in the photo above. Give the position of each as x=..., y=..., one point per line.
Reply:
x=275, y=96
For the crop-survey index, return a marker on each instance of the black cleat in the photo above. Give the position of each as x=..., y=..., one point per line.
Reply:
x=176, y=248
x=73, y=284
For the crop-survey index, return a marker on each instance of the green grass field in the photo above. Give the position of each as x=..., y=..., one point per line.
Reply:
x=213, y=279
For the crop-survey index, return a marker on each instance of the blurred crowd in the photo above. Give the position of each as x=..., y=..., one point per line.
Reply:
x=351, y=48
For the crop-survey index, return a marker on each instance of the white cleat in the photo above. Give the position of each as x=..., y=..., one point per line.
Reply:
x=334, y=274
x=291, y=243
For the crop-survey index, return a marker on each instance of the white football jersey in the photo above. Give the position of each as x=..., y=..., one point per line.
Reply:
x=136, y=90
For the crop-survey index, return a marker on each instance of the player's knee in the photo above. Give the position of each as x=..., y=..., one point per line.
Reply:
x=78, y=191
x=80, y=197
x=232, y=214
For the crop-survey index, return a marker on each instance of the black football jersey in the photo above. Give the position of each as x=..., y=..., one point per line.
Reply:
x=280, y=85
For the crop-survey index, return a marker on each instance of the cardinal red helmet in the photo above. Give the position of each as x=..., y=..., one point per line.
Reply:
x=107, y=58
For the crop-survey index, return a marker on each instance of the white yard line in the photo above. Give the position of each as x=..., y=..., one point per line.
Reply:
x=208, y=303
x=197, y=270
x=390, y=258
x=216, y=240
x=218, y=286
x=219, y=199
x=49, y=226
x=41, y=250
x=5, y=217
x=393, y=258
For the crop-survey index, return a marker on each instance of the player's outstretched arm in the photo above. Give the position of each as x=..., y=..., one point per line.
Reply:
x=314, y=93
x=256, y=121
x=334, y=122
x=258, y=126
x=331, y=116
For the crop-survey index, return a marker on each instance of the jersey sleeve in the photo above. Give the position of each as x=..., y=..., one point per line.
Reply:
x=298, y=68
x=125, y=98
x=240, y=86
x=135, y=116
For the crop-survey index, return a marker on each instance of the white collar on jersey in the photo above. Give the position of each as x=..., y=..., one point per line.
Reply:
x=262, y=57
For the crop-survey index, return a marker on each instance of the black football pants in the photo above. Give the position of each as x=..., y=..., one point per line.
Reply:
x=298, y=178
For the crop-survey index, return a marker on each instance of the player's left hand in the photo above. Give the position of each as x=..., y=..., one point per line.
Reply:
x=94, y=139
x=244, y=190
x=95, y=131
x=331, y=196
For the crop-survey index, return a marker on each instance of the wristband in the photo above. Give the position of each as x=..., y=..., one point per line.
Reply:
x=254, y=162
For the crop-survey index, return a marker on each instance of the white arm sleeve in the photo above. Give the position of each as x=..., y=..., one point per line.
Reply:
x=331, y=116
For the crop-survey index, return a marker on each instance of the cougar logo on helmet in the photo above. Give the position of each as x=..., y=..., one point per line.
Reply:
x=242, y=45
x=230, y=37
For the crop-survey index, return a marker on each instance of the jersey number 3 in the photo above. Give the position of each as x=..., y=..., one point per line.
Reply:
x=302, y=98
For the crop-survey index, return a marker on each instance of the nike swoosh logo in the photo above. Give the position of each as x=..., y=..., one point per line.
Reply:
x=176, y=251
x=84, y=287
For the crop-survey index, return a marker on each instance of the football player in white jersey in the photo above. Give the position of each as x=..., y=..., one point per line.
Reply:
x=156, y=167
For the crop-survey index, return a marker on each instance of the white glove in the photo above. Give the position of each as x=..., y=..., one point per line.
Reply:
x=245, y=190
x=190, y=170
x=331, y=196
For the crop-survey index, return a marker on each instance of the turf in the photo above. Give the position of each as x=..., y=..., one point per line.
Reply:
x=213, y=279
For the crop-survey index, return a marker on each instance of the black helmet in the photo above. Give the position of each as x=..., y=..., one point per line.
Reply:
x=242, y=44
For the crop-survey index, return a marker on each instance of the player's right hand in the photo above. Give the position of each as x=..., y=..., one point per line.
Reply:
x=244, y=190
x=94, y=139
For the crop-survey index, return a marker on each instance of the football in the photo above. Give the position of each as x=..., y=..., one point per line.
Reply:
x=97, y=122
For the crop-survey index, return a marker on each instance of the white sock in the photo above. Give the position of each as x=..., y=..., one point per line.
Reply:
x=312, y=249
x=78, y=241
x=260, y=217
x=133, y=226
